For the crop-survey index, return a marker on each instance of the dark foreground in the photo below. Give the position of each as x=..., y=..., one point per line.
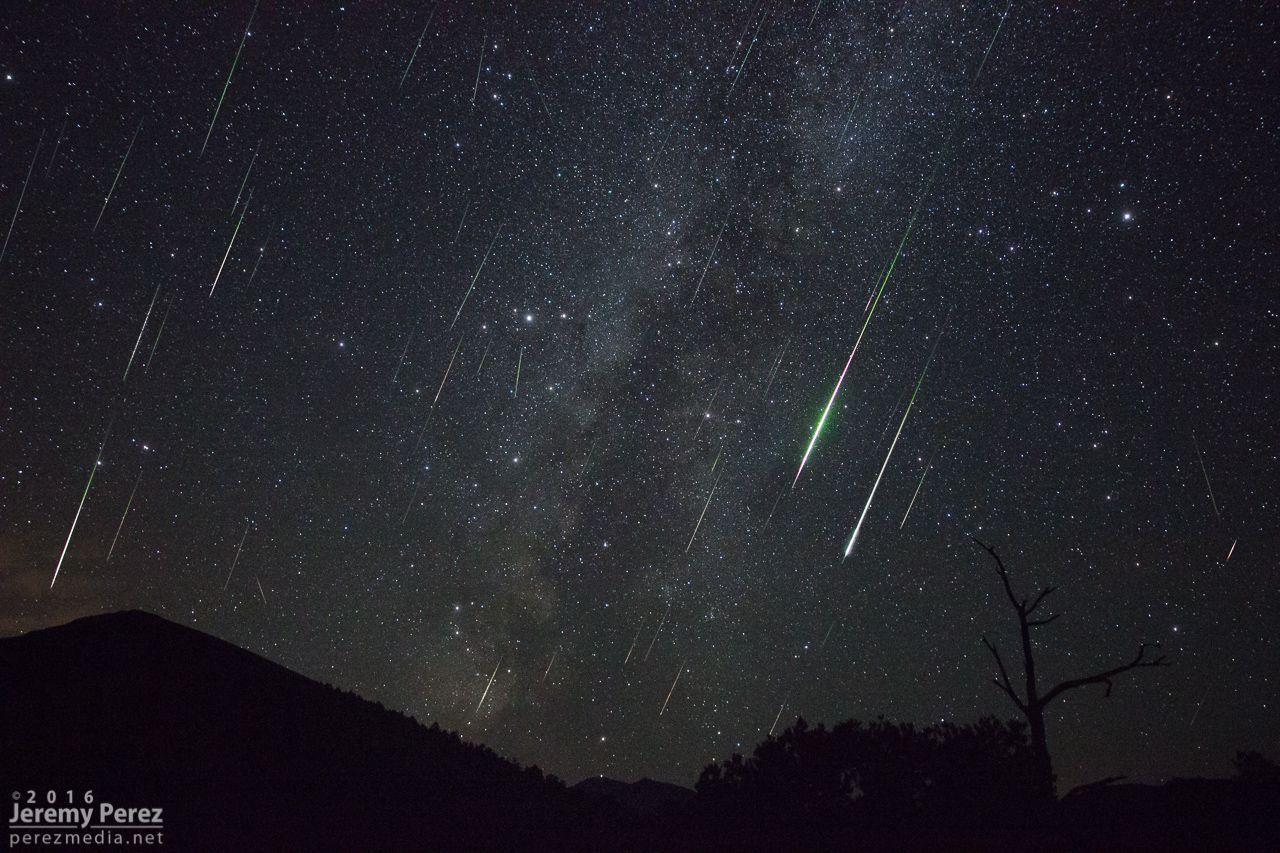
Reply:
x=242, y=754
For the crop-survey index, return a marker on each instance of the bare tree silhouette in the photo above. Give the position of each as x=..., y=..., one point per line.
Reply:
x=1032, y=705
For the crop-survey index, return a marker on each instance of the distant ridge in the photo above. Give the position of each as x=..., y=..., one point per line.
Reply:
x=245, y=754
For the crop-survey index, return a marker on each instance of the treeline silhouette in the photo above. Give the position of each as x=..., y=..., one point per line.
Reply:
x=244, y=755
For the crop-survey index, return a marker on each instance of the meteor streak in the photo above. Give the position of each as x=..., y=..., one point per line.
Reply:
x=519, y=362
x=875, y=302
x=917, y=493
x=487, y=686
x=140, y=331
x=848, y=549
x=236, y=559
x=553, y=660
x=445, y=378
x=710, y=257
x=260, y=592
x=776, y=364
x=483, y=356
x=780, y=707
x=414, y=55
x=661, y=622
x=107, y=200
x=479, y=66
x=23, y=194
x=704, y=511
x=227, y=254
x=227, y=84
x=247, y=173
x=1232, y=550
x=476, y=277
x=1000, y=25
x=96, y=462
x=1205, y=471
x=679, y=673
x=160, y=332
x=634, y=640
x=125, y=515
x=56, y=143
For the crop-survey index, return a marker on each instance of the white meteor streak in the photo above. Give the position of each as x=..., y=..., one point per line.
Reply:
x=1231, y=550
x=710, y=257
x=123, y=516
x=476, y=277
x=553, y=660
x=480, y=704
x=107, y=200
x=236, y=559
x=848, y=549
x=779, y=717
x=917, y=493
x=679, y=673
x=704, y=511
x=227, y=254
x=661, y=622
x=96, y=462
x=260, y=592
x=245, y=182
x=136, y=343
x=634, y=640
x=414, y=55
x=23, y=194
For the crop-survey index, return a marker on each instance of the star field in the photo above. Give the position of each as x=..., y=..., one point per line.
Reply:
x=483, y=339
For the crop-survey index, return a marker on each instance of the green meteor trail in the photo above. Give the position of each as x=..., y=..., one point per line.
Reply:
x=107, y=200
x=414, y=55
x=227, y=85
x=875, y=302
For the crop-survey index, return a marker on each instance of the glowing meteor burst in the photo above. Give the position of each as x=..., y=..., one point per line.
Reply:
x=679, y=673
x=483, y=695
x=107, y=200
x=227, y=85
x=23, y=194
x=871, y=311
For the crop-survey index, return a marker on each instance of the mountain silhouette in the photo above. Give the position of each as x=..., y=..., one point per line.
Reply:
x=244, y=754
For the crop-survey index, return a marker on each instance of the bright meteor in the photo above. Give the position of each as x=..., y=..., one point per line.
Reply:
x=848, y=549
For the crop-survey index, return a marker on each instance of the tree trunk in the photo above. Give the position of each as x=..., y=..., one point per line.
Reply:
x=1040, y=749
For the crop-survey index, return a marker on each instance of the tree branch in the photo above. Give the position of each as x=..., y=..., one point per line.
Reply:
x=1139, y=662
x=1034, y=622
x=1004, y=576
x=1003, y=683
x=1040, y=598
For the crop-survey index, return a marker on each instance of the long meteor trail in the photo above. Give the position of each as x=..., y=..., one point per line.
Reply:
x=226, y=255
x=871, y=311
x=124, y=160
x=476, y=277
x=919, y=485
x=848, y=549
x=143, y=329
x=414, y=55
x=1205, y=471
x=480, y=704
x=79, y=509
x=710, y=495
x=236, y=559
x=23, y=194
x=661, y=622
x=710, y=257
x=679, y=673
x=123, y=516
x=230, y=74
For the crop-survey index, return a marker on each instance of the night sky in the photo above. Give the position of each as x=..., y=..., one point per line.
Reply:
x=505, y=306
